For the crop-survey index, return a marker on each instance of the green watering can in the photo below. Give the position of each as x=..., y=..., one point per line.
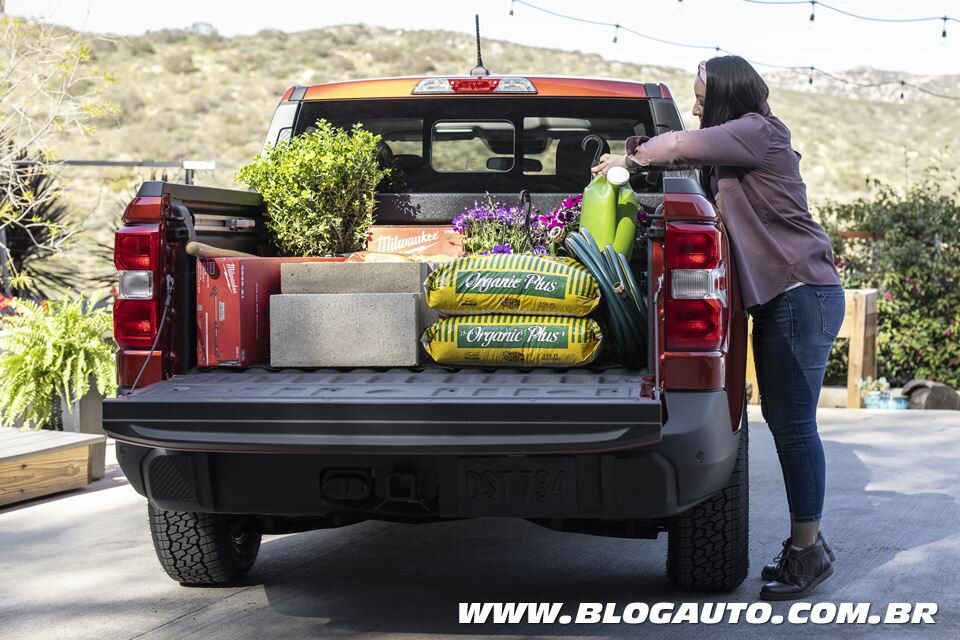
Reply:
x=609, y=211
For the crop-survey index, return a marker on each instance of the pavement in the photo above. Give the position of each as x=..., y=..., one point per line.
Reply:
x=81, y=565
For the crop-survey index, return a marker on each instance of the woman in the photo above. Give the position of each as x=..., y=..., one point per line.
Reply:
x=788, y=282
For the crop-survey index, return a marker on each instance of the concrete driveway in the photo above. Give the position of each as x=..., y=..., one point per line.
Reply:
x=82, y=565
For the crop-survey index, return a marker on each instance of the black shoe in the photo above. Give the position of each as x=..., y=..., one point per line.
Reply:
x=771, y=571
x=800, y=574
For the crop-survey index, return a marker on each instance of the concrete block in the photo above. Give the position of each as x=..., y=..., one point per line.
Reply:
x=353, y=277
x=345, y=330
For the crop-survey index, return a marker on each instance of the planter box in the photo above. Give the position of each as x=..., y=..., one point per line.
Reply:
x=415, y=240
x=86, y=416
x=39, y=463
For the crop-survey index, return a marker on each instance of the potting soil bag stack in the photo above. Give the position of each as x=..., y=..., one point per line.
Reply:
x=513, y=310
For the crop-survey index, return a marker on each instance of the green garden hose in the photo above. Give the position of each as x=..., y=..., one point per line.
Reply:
x=625, y=308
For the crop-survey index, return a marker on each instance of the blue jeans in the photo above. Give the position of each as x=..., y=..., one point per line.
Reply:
x=792, y=338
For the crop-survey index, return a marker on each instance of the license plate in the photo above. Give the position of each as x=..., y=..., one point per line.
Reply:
x=527, y=487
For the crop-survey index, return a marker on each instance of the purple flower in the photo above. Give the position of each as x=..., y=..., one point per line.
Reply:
x=502, y=248
x=888, y=296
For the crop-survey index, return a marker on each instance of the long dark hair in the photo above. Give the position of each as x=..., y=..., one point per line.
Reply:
x=734, y=89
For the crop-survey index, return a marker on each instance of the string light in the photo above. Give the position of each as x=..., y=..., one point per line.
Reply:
x=943, y=34
x=811, y=69
x=849, y=14
x=511, y=6
x=813, y=10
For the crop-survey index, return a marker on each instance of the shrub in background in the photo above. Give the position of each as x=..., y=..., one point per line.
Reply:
x=52, y=351
x=319, y=189
x=915, y=263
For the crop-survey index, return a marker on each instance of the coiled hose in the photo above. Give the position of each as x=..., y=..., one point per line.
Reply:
x=624, y=306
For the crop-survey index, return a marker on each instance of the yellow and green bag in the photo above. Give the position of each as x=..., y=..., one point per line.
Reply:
x=513, y=284
x=518, y=341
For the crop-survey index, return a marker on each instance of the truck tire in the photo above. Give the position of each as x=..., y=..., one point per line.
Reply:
x=200, y=548
x=708, y=546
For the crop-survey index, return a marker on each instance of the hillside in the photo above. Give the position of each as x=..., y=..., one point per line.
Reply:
x=195, y=94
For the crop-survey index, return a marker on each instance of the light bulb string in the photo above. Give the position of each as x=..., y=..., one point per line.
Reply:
x=811, y=69
x=850, y=14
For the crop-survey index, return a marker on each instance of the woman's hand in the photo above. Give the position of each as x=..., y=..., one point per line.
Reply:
x=607, y=161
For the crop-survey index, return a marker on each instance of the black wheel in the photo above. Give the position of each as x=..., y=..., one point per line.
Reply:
x=708, y=547
x=201, y=548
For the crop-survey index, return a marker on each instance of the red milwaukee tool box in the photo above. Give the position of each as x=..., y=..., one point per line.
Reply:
x=233, y=316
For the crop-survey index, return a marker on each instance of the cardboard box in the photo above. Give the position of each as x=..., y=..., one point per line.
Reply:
x=414, y=240
x=233, y=299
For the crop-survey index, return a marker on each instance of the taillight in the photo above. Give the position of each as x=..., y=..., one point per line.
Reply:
x=696, y=286
x=136, y=254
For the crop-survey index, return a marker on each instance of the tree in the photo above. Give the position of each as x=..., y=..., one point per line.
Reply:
x=47, y=87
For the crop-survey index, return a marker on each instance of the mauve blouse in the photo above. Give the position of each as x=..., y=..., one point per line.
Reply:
x=761, y=199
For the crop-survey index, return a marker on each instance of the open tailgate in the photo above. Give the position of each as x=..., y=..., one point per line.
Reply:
x=437, y=410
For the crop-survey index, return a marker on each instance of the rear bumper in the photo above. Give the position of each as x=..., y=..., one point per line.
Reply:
x=620, y=471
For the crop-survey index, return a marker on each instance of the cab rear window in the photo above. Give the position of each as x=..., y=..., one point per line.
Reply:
x=477, y=144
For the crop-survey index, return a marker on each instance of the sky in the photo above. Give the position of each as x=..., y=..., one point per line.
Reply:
x=773, y=34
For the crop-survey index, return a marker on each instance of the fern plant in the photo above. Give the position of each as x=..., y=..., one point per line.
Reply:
x=50, y=351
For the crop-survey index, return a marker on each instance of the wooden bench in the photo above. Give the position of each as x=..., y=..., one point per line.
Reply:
x=38, y=463
x=859, y=327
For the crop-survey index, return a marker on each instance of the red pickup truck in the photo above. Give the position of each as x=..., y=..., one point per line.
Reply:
x=226, y=455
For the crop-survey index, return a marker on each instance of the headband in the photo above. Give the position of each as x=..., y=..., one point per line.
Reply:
x=702, y=72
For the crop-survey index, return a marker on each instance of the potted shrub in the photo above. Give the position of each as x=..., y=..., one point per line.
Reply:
x=319, y=189
x=52, y=352
x=875, y=393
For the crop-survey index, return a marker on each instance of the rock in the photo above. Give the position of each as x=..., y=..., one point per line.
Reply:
x=927, y=394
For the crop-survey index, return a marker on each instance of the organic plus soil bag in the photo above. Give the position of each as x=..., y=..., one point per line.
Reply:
x=519, y=341
x=516, y=284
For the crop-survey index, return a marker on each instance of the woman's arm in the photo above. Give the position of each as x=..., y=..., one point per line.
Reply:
x=743, y=142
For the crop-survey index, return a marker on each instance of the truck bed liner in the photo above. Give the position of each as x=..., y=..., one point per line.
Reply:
x=433, y=409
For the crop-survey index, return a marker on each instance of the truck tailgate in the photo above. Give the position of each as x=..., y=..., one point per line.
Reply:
x=465, y=411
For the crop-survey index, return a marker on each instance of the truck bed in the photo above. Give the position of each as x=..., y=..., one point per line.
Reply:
x=400, y=410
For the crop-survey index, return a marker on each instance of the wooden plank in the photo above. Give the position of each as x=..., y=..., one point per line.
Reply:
x=47, y=442
x=44, y=474
x=751, y=365
x=855, y=371
x=7, y=437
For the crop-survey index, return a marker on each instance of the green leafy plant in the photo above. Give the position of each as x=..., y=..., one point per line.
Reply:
x=869, y=385
x=911, y=254
x=50, y=351
x=319, y=189
x=33, y=242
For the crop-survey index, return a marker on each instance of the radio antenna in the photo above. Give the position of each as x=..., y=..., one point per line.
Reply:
x=479, y=70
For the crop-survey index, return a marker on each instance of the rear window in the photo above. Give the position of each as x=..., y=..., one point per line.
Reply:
x=478, y=144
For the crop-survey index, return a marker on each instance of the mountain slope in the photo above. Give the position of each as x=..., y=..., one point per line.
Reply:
x=198, y=95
